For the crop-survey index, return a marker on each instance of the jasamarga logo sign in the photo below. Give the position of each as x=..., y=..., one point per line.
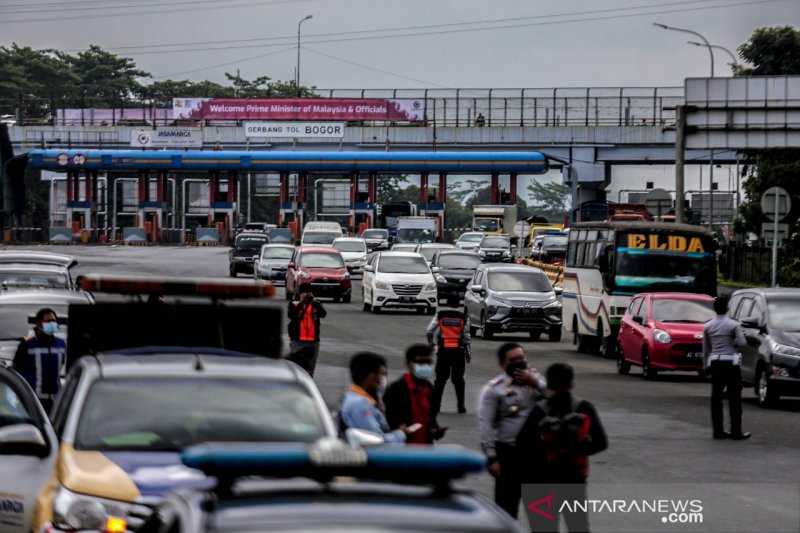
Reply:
x=167, y=137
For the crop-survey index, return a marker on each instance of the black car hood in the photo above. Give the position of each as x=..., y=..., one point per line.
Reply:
x=463, y=274
x=789, y=338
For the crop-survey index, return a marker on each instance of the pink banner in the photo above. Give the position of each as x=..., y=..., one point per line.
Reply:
x=398, y=110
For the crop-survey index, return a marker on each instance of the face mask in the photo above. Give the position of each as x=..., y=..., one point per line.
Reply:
x=511, y=368
x=49, y=328
x=423, y=371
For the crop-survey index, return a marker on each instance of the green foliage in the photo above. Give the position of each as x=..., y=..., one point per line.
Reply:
x=789, y=274
x=772, y=52
x=550, y=200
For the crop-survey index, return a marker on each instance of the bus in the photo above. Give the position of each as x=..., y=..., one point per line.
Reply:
x=610, y=262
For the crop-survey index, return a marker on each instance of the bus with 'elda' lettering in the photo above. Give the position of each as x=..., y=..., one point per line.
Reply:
x=609, y=262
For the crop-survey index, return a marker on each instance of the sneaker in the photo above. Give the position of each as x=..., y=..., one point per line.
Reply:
x=723, y=435
x=462, y=409
x=740, y=436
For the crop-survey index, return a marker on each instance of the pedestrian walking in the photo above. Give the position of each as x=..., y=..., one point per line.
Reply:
x=305, y=313
x=722, y=337
x=361, y=406
x=480, y=120
x=506, y=401
x=449, y=332
x=409, y=400
x=40, y=356
x=558, y=437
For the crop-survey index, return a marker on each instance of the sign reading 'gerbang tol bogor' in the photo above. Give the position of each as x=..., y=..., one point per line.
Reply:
x=667, y=243
x=256, y=130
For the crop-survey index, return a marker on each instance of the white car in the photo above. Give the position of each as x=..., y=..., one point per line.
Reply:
x=399, y=280
x=429, y=249
x=354, y=252
x=470, y=240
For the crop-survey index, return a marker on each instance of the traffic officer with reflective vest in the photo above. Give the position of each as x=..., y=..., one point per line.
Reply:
x=40, y=356
x=722, y=339
x=449, y=332
x=305, y=314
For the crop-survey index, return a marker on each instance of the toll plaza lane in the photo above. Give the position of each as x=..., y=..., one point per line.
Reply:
x=659, y=431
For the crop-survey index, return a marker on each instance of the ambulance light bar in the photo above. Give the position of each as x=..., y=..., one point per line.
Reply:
x=208, y=287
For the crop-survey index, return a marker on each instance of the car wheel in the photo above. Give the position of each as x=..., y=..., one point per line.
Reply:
x=430, y=310
x=347, y=298
x=366, y=306
x=375, y=308
x=473, y=331
x=765, y=390
x=582, y=343
x=623, y=366
x=487, y=332
x=554, y=335
x=534, y=335
x=648, y=372
x=232, y=272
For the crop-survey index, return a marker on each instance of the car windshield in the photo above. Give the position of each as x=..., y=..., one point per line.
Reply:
x=459, y=261
x=486, y=224
x=783, y=313
x=429, y=251
x=319, y=237
x=686, y=311
x=554, y=242
x=471, y=237
x=375, y=234
x=250, y=242
x=166, y=413
x=280, y=235
x=33, y=279
x=254, y=226
x=404, y=247
x=519, y=281
x=14, y=318
x=403, y=265
x=321, y=260
x=415, y=235
x=277, y=253
x=350, y=246
x=495, y=242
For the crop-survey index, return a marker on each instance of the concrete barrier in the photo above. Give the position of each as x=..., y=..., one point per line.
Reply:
x=133, y=235
x=60, y=235
x=206, y=235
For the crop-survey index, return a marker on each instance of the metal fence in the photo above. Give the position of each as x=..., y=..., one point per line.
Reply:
x=753, y=265
x=537, y=107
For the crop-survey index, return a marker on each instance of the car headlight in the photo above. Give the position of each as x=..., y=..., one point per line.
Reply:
x=440, y=279
x=553, y=307
x=782, y=349
x=73, y=511
x=506, y=253
x=499, y=302
x=482, y=253
x=382, y=285
x=429, y=287
x=661, y=336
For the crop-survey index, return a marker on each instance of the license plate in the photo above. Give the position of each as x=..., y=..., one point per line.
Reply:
x=694, y=355
x=407, y=299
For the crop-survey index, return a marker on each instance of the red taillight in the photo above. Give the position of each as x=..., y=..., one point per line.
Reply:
x=208, y=287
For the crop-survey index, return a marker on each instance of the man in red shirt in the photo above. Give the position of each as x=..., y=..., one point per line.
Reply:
x=408, y=400
x=305, y=313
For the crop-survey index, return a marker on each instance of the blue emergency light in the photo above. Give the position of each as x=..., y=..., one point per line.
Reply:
x=407, y=464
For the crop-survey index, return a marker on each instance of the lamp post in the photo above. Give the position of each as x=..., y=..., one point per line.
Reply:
x=705, y=41
x=297, y=72
x=734, y=61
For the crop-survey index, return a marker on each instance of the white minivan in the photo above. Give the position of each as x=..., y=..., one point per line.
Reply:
x=399, y=280
x=321, y=233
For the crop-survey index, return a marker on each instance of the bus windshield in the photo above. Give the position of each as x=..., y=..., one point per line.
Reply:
x=487, y=224
x=415, y=235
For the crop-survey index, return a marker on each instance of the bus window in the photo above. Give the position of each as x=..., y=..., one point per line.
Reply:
x=579, y=261
x=572, y=248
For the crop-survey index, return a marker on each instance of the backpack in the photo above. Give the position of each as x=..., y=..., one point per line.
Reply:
x=451, y=329
x=564, y=438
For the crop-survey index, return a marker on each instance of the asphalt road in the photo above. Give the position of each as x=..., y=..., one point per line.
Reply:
x=658, y=430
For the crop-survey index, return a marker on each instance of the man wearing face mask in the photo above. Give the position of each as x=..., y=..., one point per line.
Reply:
x=409, y=400
x=506, y=401
x=361, y=405
x=39, y=358
x=449, y=332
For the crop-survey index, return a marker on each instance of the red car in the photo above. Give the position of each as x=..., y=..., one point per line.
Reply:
x=664, y=331
x=321, y=267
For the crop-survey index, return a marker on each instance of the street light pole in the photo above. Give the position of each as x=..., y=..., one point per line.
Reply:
x=297, y=71
x=734, y=62
x=683, y=30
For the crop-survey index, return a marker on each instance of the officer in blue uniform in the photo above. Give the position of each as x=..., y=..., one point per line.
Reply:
x=39, y=358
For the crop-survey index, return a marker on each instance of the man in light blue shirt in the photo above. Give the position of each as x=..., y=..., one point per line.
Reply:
x=361, y=406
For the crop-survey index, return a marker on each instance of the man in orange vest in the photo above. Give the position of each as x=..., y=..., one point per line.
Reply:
x=305, y=313
x=449, y=331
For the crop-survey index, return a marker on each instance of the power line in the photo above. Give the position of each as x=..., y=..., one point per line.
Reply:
x=106, y=7
x=374, y=69
x=408, y=28
x=226, y=64
x=310, y=39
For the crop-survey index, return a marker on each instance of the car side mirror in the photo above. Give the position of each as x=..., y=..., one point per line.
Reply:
x=361, y=438
x=256, y=257
x=639, y=320
x=291, y=265
x=435, y=270
x=368, y=268
x=513, y=246
x=477, y=289
x=22, y=439
x=558, y=290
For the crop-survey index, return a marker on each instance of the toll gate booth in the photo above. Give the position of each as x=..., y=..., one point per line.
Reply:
x=433, y=199
x=152, y=195
x=81, y=210
x=223, y=195
x=363, y=195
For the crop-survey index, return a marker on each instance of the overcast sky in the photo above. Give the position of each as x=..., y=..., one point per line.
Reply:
x=607, y=47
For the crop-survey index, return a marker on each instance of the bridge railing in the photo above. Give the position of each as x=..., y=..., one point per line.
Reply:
x=537, y=107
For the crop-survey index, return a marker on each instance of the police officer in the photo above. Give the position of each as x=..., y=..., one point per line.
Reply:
x=506, y=401
x=305, y=313
x=39, y=357
x=449, y=332
x=722, y=336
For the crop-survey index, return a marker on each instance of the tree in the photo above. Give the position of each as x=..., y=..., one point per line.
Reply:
x=550, y=200
x=105, y=77
x=770, y=52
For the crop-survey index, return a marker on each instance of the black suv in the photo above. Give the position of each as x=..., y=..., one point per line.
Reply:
x=244, y=252
x=771, y=359
x=453, y=270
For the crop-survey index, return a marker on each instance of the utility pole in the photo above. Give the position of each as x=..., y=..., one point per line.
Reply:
x=680, y=148
x=297, y=70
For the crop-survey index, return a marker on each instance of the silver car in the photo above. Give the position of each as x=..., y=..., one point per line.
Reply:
x=36, y=270
x=272, y=262
x=470, y=240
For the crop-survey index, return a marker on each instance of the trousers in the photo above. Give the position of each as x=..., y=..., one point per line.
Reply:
x=304, y=354
x=450, y=365
x=726, y=378
x=508, y=485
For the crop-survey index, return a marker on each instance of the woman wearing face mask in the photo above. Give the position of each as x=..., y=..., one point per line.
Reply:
x=362, y=407
x=409, y=400
x=39, y=357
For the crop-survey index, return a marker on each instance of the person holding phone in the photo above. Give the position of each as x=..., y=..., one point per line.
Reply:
x=506, y=401
x=305, y=313
x=410, y=400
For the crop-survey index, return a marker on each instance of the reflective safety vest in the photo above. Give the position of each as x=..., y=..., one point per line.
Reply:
x=42, y=366
x=451, y=329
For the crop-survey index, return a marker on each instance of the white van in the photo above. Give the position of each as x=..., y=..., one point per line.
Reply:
x=321, y=233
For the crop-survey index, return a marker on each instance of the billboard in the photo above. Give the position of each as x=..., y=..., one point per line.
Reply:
x=325, y=130
x=303, y=109
x=167, y=137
